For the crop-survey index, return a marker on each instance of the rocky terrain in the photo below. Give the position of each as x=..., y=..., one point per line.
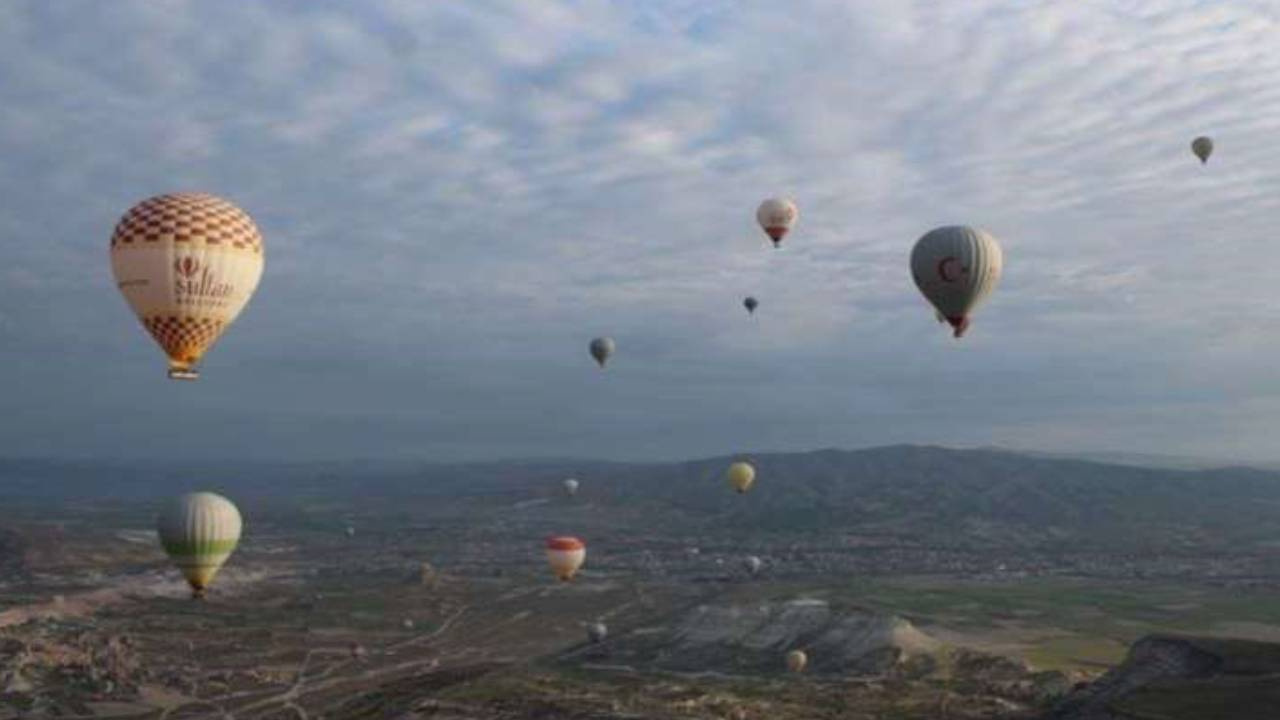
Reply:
x=1183, y=678
x=921, y=582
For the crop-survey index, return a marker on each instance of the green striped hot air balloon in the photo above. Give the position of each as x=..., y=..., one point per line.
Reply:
x=199, y=531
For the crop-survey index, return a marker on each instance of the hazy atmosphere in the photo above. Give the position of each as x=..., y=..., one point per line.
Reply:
x=455, y=197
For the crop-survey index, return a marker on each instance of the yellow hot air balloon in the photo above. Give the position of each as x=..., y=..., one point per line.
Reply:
x=565, y=555
x=797, y=660
x=741, y=476
x=187, y=264
x=199, y=531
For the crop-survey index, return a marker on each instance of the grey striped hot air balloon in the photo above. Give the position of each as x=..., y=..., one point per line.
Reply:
x=199, y=531
x=956, y=268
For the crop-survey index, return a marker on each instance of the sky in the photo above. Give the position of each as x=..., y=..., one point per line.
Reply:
x=456, y=197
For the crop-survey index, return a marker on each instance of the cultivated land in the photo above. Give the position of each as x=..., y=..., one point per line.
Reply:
x=909, y=607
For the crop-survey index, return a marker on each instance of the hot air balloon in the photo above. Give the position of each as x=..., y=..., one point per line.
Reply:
x=1203, y=148
x=602, y=349
x=753, y=565
x=777, y=216
x=565, y=555
x=187, y=264
x=797, y=661
x=597, y=632
x=571, y=487
x=741, y=475
x=750, y=304
x=357, y=651
x=199, y=531
x=956, y=268
x=407, y=624
x=350, y=531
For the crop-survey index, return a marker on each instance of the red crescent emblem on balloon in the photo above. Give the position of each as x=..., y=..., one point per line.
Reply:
x=944, y=271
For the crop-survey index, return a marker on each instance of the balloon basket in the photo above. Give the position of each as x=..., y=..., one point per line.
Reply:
x=181, y=374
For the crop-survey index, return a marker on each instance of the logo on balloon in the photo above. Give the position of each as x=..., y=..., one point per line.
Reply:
x=187, y=267
x=950, y=269
x=196, y=285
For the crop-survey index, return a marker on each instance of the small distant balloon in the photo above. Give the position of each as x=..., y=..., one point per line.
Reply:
x=350, y=531
x=565, y=555
x=956, y=268
x=741, y=476
x=407, y=624
x=597, y=632
x=777, y=216
x=602, y=348
x=753, y=565
x=571, y=487
x=199, y=531
x=357, y=651
x=797, y=661
x=1203, y=148
x=750, y=304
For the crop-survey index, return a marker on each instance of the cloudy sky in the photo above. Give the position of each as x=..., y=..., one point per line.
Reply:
x=456, y=196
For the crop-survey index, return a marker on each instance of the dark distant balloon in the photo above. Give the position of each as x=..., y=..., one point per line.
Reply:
x=602, y=349
x=750, y=304
x=1203, y=148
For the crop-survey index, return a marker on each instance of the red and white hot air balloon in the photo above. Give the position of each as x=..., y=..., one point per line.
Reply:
x=565, y=555
x=187, y=264
x=777, y=216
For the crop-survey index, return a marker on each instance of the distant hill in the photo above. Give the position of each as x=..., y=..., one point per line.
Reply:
x=931, y=495
x=755, y=637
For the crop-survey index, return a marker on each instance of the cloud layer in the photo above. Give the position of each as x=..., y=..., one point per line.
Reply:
x=457, y=196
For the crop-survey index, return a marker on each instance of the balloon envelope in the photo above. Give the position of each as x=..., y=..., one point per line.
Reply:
x=956, y=268
x=199, y=532
x=1203, y=148
x=602, y=349
x=741, y=476
x=187, y=264
x=571, y=487
x=750, y=304
x=565, y=555
x=753, y=565
x=597, y=632
x=777, y=216
x=797, y=660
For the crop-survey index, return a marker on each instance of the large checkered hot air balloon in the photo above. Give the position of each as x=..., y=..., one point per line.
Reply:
x=199, y=531
x=187, y=264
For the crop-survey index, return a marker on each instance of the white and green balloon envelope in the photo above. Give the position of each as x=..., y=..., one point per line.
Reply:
x=199, y=531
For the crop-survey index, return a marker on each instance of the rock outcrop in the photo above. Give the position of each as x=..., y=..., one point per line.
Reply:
x=1183, y=678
